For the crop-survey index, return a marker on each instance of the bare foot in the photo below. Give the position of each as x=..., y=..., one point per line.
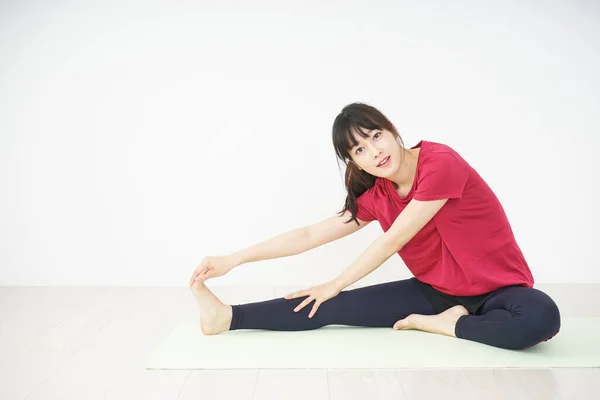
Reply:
x=215, y=317
x=442, y=323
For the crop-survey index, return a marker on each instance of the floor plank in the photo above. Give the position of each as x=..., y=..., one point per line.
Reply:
x=430, y=384
x=220, y=385
x=500, y=384
x=364, y=384
x=292, y=384
x=110, y=341
x=85, y=313
x=577, y=383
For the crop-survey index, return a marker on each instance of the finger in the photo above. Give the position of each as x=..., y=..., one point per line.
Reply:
x=199, y=268
x=193, y=278
x=296, y=294
x=303, y=304
x=314, y=309
x=207, y=276
x=202, y=273
x=293, y=295
x=198, y=276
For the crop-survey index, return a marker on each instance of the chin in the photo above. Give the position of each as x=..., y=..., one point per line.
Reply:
x=384, y=174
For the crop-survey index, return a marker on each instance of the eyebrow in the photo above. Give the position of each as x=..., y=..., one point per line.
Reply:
x=368, y=133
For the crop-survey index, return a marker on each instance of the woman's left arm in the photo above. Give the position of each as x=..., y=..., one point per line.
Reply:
x=410, y=221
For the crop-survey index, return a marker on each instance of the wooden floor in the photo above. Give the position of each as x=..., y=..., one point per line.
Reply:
x=91, y=343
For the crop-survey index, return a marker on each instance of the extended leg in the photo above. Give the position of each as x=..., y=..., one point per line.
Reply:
x=378, y=305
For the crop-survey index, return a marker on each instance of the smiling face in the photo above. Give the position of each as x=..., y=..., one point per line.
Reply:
x=363, y=136
x=371, y=148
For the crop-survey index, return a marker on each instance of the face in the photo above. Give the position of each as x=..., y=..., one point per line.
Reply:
x=370, y=151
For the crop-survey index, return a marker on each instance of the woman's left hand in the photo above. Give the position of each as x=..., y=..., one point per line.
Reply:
x=320, y=294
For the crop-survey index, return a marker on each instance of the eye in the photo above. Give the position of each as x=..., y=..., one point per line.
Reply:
x=377, y=134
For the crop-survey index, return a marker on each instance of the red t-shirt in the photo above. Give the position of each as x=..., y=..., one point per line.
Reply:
x=468, y=248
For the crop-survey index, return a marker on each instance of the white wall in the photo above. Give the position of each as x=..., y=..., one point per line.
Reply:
x=136, y=137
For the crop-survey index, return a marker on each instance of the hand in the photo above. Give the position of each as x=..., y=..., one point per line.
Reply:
x=213, y=266
x=320, y=294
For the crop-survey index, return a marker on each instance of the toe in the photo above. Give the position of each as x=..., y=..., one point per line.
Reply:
x=402, y=324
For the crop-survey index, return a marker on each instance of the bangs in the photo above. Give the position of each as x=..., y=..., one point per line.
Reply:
x=349, y=137
x=345, y=130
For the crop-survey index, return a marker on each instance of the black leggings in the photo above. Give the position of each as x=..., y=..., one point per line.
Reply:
x=513, y=317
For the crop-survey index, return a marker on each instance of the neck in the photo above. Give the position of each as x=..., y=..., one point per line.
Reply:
x=405, y=174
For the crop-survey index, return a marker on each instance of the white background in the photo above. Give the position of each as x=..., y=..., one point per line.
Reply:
x=138, y=137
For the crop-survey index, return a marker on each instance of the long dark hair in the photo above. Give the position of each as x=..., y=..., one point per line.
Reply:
x=353, y=117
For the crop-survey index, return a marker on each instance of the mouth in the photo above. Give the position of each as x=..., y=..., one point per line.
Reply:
x=385, y=162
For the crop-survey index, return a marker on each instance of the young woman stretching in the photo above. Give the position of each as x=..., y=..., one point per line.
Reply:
x=470, y=281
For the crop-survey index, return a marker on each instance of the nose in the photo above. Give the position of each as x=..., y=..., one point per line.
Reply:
x=375, y=151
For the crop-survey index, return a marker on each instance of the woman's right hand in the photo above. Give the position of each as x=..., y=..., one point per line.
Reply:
x=213, y=266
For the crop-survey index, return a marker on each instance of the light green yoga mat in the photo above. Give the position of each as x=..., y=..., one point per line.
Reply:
x=576, y=345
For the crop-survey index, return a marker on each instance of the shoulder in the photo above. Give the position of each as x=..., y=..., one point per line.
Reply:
x=434, y=154
x=441, y=173
x=429, y=148
x=368, y=202
x=374, y=194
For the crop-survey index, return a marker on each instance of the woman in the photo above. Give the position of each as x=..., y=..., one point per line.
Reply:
x=470, y=281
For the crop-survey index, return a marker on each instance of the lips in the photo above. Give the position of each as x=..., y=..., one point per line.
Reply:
x=383, y=161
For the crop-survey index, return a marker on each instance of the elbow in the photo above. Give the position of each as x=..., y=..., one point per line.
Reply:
x=394, y=244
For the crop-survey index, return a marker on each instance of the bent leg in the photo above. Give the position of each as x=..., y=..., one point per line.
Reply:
x=378, y=305
x=513, y=318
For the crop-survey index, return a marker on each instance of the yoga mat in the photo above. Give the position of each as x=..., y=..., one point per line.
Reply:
x=335, y=346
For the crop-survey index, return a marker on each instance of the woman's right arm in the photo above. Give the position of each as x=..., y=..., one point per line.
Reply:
x=300, y=240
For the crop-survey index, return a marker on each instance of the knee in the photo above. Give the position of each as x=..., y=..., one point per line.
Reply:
x=540, y=320
x=546, y=311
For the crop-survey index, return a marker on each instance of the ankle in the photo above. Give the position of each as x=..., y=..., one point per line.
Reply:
x=229, y=314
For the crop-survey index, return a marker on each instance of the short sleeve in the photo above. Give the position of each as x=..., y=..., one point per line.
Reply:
x=442, y=176
x=366, y=211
